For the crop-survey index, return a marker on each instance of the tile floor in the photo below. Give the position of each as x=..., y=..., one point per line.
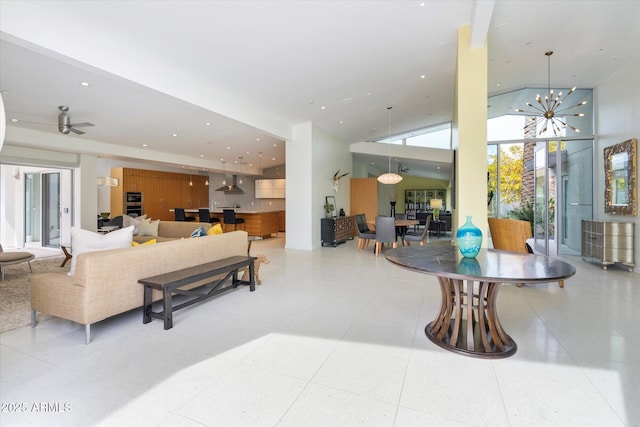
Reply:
x=335, y=337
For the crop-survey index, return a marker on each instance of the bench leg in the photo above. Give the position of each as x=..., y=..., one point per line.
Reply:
x=87, y=334
x=146, y=306
x=167, y=312
x=252, y=277
x=34, y=320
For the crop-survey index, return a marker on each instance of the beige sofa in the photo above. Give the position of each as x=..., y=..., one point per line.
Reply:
x=171, y=230
x=106, y=282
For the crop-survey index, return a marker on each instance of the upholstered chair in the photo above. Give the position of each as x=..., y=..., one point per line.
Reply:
x=422, y=236
x=364, y=234
x=385, y=232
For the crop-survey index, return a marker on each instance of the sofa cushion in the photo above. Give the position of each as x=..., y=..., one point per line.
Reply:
x=88, y=241
x=149, y=228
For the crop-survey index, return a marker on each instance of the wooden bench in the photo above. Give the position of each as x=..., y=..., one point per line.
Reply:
x=170, y=283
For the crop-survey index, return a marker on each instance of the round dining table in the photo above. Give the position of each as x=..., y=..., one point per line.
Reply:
x=468, y=320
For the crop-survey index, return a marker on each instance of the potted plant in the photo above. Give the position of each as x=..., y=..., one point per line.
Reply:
x=328, y=209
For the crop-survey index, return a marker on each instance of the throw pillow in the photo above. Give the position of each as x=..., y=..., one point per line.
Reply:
x=137, y=223
x=128, y=220
x=88, y=241
x=216, y=229
x=149, y=228
x=148, y=242
x=199, y=232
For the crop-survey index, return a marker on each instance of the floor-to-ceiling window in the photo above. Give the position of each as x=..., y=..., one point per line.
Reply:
x=544, y=177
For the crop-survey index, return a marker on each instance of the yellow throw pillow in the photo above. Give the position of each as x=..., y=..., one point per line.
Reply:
x=148, y=242
x=216, y=229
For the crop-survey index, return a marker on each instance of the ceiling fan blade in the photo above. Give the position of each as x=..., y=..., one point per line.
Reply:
x=76, y=131
x=82, y=125
x=35, y=123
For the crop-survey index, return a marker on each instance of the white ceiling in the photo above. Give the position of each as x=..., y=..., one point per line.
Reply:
x=255, y=69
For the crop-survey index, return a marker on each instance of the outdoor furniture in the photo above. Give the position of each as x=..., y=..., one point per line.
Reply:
x=12, y=258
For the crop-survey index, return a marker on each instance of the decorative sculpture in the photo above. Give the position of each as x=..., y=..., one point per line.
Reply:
x=336, y=179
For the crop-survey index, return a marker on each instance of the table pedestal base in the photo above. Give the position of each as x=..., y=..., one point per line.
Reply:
x=468, y=321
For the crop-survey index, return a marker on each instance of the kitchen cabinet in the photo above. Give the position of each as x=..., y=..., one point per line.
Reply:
x=270, y=188
x=161, y=191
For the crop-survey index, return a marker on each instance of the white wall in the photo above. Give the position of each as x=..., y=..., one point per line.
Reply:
x=617, y=113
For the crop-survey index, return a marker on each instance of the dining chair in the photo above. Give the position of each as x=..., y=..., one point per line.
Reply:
x=422, y=236
x=180, y=216
x=364, y=234
x=421, y=217
x=230, y=218
x=204, y=215
x=385, y=232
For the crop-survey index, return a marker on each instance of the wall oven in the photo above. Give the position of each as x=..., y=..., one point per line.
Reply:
x=133, y=204
x=133, y=197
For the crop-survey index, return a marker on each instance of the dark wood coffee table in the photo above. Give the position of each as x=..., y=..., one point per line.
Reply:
x=468, y=320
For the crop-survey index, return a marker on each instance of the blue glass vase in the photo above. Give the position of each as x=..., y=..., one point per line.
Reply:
x=469, y=238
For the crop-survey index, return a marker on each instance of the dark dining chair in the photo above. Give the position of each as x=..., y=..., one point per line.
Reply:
x=364, y=234
x=180, y=216
x=422, y=237
x=385, y=232
x=204, y=215
x=421, y=217
x=229, y=218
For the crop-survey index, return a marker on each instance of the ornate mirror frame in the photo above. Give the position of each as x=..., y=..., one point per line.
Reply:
x=620, y=186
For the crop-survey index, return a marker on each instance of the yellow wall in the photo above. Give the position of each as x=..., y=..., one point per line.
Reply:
x=469, y=134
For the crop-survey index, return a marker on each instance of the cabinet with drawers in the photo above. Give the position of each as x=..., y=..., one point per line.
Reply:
x=336, y=230
x=608, y=242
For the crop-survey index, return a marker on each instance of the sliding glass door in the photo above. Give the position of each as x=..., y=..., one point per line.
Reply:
x=42, y=209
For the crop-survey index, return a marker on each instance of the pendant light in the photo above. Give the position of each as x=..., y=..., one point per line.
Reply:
x=548, y=111
x=389, y=177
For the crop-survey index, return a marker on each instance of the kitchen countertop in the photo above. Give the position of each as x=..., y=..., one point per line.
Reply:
x=238, y=210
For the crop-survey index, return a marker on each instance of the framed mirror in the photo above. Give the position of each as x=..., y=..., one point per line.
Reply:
x=621, y=192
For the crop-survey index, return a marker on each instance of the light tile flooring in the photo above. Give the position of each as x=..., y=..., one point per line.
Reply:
x=335, y=337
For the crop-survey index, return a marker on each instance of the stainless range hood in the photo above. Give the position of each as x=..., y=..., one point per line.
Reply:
x=233, y=188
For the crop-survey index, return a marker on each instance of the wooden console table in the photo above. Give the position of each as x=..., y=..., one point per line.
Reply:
x=468, y=320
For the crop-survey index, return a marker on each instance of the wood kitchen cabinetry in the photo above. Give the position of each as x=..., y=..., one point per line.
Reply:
x=161, y=191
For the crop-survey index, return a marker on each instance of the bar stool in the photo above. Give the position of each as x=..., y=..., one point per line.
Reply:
x=180, y=216
x=205, y=216
x=229, y=217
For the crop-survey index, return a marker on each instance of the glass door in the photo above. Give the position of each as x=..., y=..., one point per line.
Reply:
x=32, y=208
x=576, y=193
x=51, y=209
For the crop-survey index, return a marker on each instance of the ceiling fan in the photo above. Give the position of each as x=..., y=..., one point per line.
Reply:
x=402, y=169
x=64, y=122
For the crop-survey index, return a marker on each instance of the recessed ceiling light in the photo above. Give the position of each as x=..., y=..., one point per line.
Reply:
x=424, y=76
x=347, y=101
x=275, y=145
x=498, y=84
x=208, y=123
x=257, y=139
x=201, y=155
x=273, y=158
x=228, y=148
x=323, y=108
x=4, y=92
x=175, y=134
x=85, y=84
x=14, y=120
x=145, y=145
x=341, y=122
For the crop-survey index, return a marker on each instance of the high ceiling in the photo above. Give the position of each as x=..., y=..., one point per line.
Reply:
x=255, y=69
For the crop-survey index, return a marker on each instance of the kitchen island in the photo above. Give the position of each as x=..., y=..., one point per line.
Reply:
x=256, y=223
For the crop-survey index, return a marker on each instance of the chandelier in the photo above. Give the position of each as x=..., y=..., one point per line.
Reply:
x=549, y=111
x=389, y=178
